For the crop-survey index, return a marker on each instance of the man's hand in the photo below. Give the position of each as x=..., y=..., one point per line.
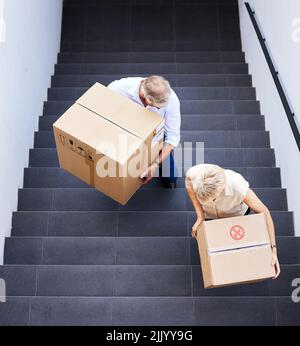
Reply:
x=149, y=173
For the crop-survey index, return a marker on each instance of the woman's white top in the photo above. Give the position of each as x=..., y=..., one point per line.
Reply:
x=230, y=203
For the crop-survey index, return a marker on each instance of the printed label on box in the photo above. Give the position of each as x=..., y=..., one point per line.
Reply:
x=159, y=136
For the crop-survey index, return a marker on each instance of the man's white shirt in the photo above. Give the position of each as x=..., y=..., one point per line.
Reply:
x=129, y=87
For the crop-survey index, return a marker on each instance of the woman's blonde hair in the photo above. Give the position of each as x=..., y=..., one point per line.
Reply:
x=209, y=182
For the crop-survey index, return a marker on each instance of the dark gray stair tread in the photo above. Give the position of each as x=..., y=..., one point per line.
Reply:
x=54, y=177
x=131, y=280
x=122, y=224
x=173, y=311
x=151, y=46
x=184, y=93
x=211, y=139
x=113, y=311
x=195, y=122
x=148, y=68
x=288, y=312
x=69, y=4
x=68, y=311
x=234, y=157
x=115, y=280
x=181, y=80
x=216, y=93
x=20, y=280
x=123, y=250
x=15, y=311
x=107, y=280
x=75, y=3
x=76, y=223
x=246, y=311
x=187, y=106
x=91, y=57
x=63, y=199
x=221, y=106
x=159, y=199
x=65, y=251
x=230, y=6
x=234, y=311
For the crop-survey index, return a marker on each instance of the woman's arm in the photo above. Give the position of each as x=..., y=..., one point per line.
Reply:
x=197, y=206
x=258, y=206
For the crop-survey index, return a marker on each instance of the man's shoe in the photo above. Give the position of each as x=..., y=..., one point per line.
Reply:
x=169, y=184
x=173, y=185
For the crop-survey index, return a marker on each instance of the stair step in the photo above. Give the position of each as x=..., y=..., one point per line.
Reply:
x=160, y=57
x=43, y=177
x=121, y=250
x=181, y=80
x=151, y=68
x=228, y=139
x=195, y=122
x=244, y=311
x=188, y=106
x=130, y=280
x=150, y=46
x=184, y=93
x=211, y=139
x=119, y=223
x=159, y=199
x=229, y=5
x=246, y=157
x=132, y=311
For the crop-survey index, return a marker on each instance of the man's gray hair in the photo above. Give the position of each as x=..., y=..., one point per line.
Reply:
x=157, y=90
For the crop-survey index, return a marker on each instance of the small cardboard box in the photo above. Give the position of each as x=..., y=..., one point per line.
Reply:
x=235, y=251
x=108, y=141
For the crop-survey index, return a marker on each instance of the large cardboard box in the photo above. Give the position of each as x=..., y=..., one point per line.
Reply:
x=108, y=141
x=235, y=251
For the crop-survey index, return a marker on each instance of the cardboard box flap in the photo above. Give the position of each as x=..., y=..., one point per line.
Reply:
x=98, y=133
x=242, y=266
x=235, y=233
x=120, y=110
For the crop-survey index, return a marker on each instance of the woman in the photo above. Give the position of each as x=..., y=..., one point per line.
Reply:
x=219, y=193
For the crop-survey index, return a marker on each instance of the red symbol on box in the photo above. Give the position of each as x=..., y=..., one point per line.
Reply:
x=237, y=232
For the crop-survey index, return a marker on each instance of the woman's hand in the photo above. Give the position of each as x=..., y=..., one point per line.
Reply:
x=275, y=263
x=196, y=226
x=197, y=205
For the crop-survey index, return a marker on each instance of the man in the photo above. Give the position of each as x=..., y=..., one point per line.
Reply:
x=155, y=94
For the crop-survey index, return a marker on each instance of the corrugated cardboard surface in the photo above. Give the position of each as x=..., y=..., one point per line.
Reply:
x=104, y=130
x=97, y=132
x=120, y=110
x=218, y=235
x=230, y=258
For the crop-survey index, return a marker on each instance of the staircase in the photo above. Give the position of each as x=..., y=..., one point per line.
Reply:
x=76, y=257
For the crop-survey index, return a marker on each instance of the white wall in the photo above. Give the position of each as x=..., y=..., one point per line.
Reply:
x=29, y=43
x=280, y=23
